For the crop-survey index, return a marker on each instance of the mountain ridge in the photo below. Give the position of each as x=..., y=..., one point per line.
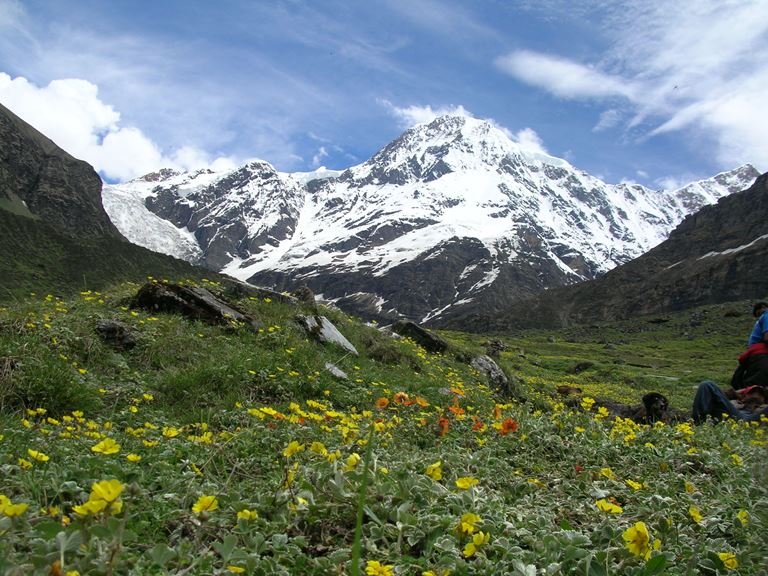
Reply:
x=445, y=215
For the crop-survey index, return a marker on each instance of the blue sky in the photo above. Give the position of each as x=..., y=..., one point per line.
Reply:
x=657, y=92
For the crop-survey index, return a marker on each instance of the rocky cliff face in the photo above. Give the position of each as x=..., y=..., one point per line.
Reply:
x=718, y=254
x=40, y=180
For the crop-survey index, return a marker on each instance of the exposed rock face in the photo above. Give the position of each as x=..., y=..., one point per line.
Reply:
x=38, y=177
x=235, y=216
x=718, y=254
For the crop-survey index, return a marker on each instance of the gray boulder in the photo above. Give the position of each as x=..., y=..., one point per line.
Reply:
x=336, y=371
x=496, y=377
x=323, y=330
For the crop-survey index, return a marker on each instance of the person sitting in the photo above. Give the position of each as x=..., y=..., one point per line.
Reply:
x=760, y=331
x=750, y=405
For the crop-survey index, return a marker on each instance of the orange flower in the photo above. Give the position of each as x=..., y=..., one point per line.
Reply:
x=497, y=412
x=442, y=426
x=478, y=425
x=421, y=402
x=400, y=398
x=382, y=403
x=456, y=409
x=509, y=425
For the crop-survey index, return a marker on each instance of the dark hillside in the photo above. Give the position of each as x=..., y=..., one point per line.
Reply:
x=54, y=233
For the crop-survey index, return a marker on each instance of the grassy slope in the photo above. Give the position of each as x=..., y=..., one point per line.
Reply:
x=37, y=258
x=236, y=400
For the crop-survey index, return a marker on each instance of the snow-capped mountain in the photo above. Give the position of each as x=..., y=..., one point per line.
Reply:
x=451, y=214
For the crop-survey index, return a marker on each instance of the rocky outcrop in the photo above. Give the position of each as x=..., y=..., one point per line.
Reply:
x=38, y=179
x=116, y=334
x=496, y=376
x=424, y=338
x=194, y=302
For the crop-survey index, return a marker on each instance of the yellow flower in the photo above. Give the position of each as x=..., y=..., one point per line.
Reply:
x=170, y=432
x=133, y=457
x=638, y=540
x=587, y=403
x=737, y=460
x=107, y=490
x=235, y=569
x=13, y=510
x=293, y=448
x=729, y=560
x=695, y=514
x=634, y=485
x=247, y=514
x=608, y=473
x=318, y=448
x=477, y=540
x=466, y=482
x=608, y=507
x=39, y=456
x=90, y=507
x=205, y=504
x=375, y=568
x=690, y=488
x=743, y=517
x=467, y=523
x=435, y=471
x=352, y=461
x=25, y=464
x=602, y=412
x=107, y=446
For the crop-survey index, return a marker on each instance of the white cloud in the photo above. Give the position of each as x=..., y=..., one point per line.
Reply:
x=318, y=158
x=695, y=66
x=412, y=115
x=528, y=139
x=70, y=112
x=608, y=119
x=563, y=77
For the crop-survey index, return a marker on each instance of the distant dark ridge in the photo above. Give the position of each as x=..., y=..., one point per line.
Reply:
x=719, y=254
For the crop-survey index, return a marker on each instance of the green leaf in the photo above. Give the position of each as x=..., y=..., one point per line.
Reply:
x=225, y=547
x=68, y=542
x=47, y=530
x=161, y=554
x=655, y=565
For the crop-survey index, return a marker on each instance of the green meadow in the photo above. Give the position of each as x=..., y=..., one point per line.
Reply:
x=220, y=450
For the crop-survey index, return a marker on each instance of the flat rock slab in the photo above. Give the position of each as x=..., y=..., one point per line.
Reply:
x=430, y=342
x=191, y=301
x=336, y=371
x=237, y=289
x=323, y=330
